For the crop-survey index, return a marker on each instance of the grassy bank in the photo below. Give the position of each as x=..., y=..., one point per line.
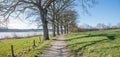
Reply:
x=94, y=44
x=37, y=51
x=20, y=45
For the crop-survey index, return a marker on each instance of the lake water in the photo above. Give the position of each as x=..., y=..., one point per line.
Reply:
x=19, y=34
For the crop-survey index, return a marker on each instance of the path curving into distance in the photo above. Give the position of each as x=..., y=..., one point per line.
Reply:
x=56, y=49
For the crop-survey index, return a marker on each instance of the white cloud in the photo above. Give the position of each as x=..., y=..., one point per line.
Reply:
x=18, y=24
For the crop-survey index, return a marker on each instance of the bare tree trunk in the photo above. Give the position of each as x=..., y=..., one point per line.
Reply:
x=61, y=27
x=53, y=28
x=58, y=28
x=67, y=28
x=57, y=24
x=45, y=31
x=64, y=29
x=45, y=25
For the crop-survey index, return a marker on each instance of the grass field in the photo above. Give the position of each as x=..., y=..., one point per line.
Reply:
x=20, y=45
x=94, y=44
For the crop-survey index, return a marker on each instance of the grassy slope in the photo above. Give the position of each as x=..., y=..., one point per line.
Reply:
x=94, y=44
x=20, y=45
x=38, y=50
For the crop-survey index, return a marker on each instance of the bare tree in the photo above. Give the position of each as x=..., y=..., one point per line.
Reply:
x=36, y=7
x=69, y=18
x=55, y=11
x=39, y=9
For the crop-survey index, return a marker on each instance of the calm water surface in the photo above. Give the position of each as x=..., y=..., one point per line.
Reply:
x=19, y=34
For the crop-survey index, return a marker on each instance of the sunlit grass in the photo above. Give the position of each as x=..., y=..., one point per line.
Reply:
x=38, y=50
x=20, y=45
x=94, y=44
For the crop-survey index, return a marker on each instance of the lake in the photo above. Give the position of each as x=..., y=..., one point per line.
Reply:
x=20, y=34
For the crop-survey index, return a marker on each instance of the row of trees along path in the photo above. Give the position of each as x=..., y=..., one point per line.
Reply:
x=59, y=13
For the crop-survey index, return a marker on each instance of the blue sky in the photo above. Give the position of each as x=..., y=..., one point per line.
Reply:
x=106, y=11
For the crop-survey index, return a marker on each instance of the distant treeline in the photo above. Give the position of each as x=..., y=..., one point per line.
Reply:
x=20, y=30
x=87, y=27
x=94, y=29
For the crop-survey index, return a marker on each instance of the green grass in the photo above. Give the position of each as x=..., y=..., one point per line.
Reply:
x=38, y=50
x=94, y=44
x=20, y=45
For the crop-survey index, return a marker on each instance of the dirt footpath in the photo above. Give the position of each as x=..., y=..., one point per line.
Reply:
x=56, y=49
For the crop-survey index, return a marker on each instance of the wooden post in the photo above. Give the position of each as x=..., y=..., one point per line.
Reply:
x=12, y=51
x=33, y=43
x=40, y=39
x=36, y=56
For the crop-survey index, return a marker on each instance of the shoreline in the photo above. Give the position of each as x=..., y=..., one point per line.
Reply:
x=18, y=37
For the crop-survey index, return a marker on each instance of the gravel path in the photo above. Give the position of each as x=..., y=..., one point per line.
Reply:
x=56, y=49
